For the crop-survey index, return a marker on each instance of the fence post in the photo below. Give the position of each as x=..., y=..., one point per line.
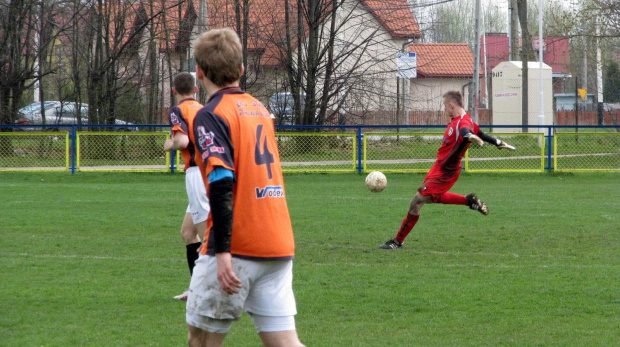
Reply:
x=173, y=156
x=549, y=149
x=359, y=149
x=73, y=152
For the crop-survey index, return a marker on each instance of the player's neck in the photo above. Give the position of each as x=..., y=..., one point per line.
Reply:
x=211, y=88
x=180, y=97
x=459, y=112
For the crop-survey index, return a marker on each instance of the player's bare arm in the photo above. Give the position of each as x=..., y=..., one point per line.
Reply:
x=178, y=141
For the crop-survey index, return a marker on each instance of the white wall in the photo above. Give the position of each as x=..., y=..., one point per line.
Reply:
x=426, y=93
x=508, y=91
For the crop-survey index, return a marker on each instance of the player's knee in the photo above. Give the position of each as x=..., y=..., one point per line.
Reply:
x=201, y=326
x=187, y=236
x=195, y=336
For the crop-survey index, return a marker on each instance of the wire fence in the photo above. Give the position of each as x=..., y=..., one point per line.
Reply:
x=324, y=149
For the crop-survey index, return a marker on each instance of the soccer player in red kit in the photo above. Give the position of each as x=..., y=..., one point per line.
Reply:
x=445, y=172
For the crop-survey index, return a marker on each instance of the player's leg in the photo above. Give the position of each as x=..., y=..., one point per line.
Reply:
x=280, y=339
x=407, y=224
x=188, y=230
x=194, y=224
x=470, y=200
x=197, y=337
x=207, y=300
x=448, y=198
x=271, y=302
x=191, y=240
x=195, y=219
x=276, y=331
x=442, y=195
x=192, y=244
x=201, y=338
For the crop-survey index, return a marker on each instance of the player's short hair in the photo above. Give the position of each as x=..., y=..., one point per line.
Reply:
x=454, y=96
x=184, y=83
x=219, y=54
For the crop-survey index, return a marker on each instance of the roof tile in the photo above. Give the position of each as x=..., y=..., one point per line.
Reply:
x=443, y=59
x=395, y=16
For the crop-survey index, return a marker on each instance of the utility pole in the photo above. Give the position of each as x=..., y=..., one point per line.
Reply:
x=473, y=96
x=202, y=17
x=584, y=72
x=514, y=25
x=599, y=74
x=202, y=27
x=524, y=59
x=541, y=44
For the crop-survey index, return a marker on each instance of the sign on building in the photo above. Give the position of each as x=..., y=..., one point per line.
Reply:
x=406, y=65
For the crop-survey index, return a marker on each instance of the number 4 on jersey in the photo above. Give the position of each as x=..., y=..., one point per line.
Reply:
x=265, y=157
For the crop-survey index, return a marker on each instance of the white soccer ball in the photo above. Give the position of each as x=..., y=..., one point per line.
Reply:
x=376, y=181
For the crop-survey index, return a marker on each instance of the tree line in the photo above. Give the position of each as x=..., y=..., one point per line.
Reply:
x=117, y=56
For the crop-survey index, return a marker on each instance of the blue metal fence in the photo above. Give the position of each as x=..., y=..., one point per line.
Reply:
x=359, y=130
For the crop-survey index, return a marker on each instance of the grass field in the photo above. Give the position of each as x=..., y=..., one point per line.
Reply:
x=95, y=258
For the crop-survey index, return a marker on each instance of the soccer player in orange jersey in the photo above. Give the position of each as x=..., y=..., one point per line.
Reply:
x=246, y=258
x=181, y=118
x=443, y=175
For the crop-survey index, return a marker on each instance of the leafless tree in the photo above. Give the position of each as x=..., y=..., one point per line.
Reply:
x=330, y=60
x=28, y=32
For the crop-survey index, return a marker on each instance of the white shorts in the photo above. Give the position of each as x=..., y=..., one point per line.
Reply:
x=267, y=291
x=198, y=202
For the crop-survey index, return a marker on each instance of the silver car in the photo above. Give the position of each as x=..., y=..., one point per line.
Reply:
x=59, y=113
x=56, y=113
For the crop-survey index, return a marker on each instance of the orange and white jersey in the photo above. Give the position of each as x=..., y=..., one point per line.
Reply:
x=181, y=118
x=235, y=131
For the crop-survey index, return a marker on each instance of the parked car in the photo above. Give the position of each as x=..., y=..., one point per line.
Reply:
x=58, y=113
x=281, y=105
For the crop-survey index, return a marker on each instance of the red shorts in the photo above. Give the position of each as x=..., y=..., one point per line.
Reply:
x=438, y=182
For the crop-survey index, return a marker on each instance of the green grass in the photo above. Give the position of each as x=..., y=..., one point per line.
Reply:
x=94, y=259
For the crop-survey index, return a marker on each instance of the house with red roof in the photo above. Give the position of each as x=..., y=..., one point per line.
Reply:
x=369, y=35
x=153, y=42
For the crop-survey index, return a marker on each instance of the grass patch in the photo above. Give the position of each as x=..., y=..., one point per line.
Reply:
x=93, y=259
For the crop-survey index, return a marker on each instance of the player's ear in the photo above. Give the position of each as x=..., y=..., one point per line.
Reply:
x=199, y=74
x=242, y=69
x=174, y=91
x=195, y=89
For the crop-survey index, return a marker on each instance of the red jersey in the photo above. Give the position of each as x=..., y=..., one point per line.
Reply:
x=235, y=131
x=454, y=146
x=181, y=118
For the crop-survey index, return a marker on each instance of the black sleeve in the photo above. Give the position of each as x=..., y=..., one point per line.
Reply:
x=465, y=132
x=488, y=138
x=221, y=202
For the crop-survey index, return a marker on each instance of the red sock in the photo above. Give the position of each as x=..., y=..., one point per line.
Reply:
x=406, y=226
x=453, y=199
